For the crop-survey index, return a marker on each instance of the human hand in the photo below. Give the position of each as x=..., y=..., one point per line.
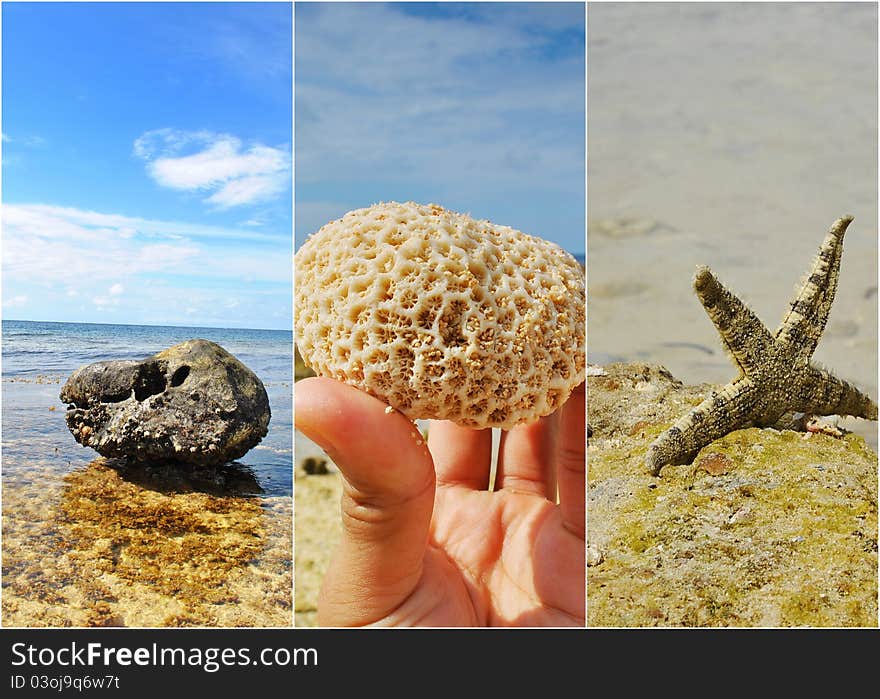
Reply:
x=420, y=549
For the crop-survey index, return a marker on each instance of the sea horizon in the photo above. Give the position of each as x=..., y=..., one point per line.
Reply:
x=143, y=325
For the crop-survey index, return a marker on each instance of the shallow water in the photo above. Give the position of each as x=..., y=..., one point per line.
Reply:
x=91, y=542
x=730, y=135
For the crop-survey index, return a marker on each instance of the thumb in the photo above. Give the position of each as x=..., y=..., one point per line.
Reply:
x=387, y=500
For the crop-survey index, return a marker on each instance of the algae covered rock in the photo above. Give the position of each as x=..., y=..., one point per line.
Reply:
x=193, y=403
x=766, y=527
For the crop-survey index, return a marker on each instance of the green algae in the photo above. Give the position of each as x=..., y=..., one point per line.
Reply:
x=122, y=547
x=785, y=536
x=182, y=545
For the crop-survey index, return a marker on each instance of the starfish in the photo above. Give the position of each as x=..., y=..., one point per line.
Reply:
x=776, y=375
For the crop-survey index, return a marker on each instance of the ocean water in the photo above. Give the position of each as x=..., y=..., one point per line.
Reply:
x=94, y=543
x=40, y=351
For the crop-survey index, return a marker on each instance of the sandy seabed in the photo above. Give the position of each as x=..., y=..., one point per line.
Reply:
x=108, y=546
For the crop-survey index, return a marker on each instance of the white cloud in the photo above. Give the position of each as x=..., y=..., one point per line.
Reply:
x=222, y=161
x=16, y=301
x=29, y=141
x=247, y=190
x=234, y=174
x=167, y=142
x=62, y=222
x=102, y=302
x=56, y=258
x=110, y=299
x=46, y=244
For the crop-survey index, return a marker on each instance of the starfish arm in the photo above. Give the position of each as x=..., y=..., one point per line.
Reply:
x=803, y=324
x=745, y=337
x=822, y=393
x=729, y=409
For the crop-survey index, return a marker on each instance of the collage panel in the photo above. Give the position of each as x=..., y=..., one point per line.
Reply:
x=294, y=315
x=146, y=335
x=439, y=314
x=732, y=464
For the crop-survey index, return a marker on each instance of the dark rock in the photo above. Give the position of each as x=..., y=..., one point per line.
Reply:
x=313, y=466
x=193, y=403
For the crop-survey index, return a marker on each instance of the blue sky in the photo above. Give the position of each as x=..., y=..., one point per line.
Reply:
x=478, y=107
x=147, y=163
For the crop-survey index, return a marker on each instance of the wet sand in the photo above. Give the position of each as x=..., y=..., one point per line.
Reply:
x=729, y=135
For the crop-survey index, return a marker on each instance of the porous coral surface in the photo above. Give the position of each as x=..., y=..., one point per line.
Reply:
x=442, y=316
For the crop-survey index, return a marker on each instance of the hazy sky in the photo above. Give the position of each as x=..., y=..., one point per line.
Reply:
x=478, y=107
x=147, y=163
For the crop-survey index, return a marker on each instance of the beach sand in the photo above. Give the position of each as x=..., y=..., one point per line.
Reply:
x=317, y=532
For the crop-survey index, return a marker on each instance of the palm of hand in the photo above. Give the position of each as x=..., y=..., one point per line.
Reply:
x=501, y=558
x=425, y=542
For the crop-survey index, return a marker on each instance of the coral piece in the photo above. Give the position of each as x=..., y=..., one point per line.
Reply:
x=442, y=316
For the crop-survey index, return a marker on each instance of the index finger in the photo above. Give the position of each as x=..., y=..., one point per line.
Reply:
x=571, y=462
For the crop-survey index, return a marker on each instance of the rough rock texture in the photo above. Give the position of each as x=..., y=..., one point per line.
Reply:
x=767, y=527
x=193, y=403
x=442, y=316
